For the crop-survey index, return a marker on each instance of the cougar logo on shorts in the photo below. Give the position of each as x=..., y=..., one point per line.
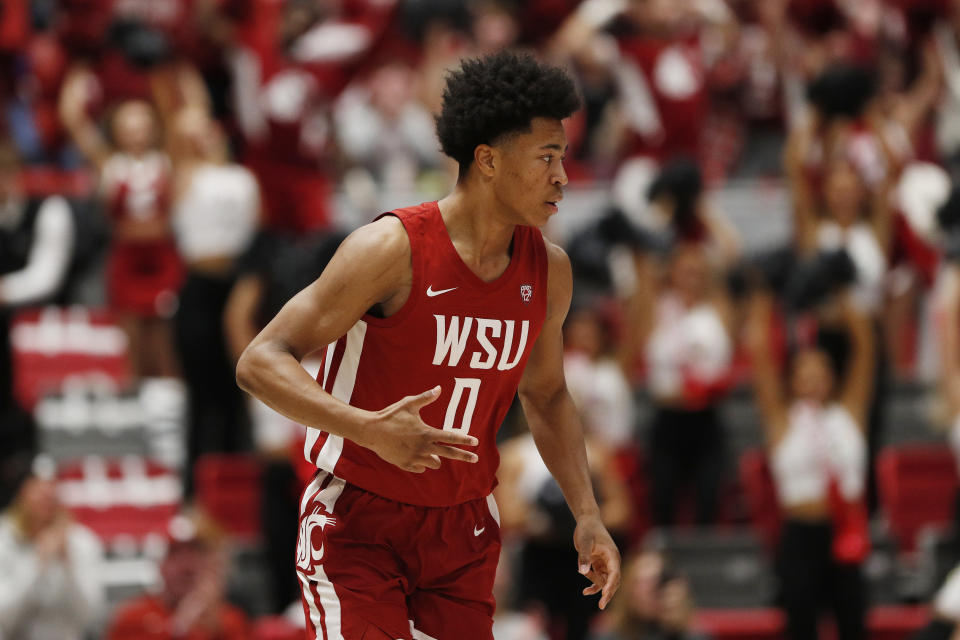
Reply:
x=308, y=552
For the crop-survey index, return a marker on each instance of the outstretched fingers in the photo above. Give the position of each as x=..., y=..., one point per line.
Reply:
x=454, y=453
x=419, y=401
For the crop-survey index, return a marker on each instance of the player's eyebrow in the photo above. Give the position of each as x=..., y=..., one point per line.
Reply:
x=555, y=147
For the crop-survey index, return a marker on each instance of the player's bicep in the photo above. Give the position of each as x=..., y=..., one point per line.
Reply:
x=366, y=269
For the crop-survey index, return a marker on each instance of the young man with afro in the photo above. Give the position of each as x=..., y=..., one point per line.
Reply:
x=430, y=320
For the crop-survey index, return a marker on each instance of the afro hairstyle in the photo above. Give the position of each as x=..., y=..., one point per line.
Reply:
x=490, y=97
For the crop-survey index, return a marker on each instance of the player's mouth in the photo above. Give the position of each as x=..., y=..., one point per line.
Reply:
x=554, y=204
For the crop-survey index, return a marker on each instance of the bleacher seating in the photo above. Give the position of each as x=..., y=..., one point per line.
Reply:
x=85, y=418
x=228, y=488
x=939, y=554
x=277, y=628
x=128, y=504
x=907, y=415
x=917, y=485
x=760, y=496
x=726, y=568
x=883, y=623
x=52, y=345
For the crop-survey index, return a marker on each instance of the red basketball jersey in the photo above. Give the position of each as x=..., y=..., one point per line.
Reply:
x=470, y=337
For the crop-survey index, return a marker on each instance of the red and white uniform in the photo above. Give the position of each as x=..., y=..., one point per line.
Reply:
x=663, y=83
x=283, y=99
x=143, y=276
x=473, y=338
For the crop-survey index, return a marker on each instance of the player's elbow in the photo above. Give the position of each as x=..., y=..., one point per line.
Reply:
x=543, y=399
x=247, y=369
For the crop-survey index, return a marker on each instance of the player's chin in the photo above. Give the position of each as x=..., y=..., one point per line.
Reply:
x=545, y=211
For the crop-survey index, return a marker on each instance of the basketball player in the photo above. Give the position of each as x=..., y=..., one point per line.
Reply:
x=431, y=318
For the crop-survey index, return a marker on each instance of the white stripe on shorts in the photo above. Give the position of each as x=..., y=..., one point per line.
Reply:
x=311, y=489
x=494, y=511
x=325, y=610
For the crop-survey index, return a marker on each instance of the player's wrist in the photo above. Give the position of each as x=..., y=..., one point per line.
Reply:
x=366, y=425
x=589, y=512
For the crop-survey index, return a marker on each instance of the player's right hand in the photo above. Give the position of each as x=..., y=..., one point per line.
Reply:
x=401, y=437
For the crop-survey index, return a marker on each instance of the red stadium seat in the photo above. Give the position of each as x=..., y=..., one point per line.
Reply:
x=228, y=488
x=52, y=344
x=277, y=628
x=740, y=624
x=917, y=485
x=894, y=622
x=132, y=498
x=761, y=496
x=630, y=464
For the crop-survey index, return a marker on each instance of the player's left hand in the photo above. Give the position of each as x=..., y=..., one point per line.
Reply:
x=599, y=558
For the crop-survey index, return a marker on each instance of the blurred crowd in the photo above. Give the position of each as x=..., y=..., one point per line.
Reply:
x=189, y=165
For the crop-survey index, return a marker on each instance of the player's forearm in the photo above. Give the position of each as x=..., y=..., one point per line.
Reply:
x=276, y=378
x=556, y=429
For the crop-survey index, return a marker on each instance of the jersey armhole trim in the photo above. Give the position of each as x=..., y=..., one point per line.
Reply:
x=416, y=271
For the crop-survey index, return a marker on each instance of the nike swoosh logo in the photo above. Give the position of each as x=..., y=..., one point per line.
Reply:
x=431, y=293
x=477, y=532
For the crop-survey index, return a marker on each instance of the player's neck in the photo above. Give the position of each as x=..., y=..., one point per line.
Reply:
x=473, y=225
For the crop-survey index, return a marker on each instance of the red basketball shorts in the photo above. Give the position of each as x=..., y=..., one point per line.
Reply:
x=370, y=567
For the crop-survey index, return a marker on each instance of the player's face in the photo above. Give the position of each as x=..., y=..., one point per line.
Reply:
x=529, y=182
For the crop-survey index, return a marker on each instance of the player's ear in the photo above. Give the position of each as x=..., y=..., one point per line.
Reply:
x=484, y=157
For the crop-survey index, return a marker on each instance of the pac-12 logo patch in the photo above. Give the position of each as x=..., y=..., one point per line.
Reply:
x=526, y=292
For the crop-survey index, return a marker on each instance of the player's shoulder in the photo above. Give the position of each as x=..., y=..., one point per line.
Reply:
x=559, y=279
x=384, y=239
x=558, y=262
x=387, y=236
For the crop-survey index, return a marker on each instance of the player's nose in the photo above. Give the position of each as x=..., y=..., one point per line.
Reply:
x=559, y=176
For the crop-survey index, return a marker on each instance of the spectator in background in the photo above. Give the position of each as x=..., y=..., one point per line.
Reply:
x=442, y=31
x=655, y=604
x=37, y=239
x=386, y=134
x=144, y=271
x=657, y=53
x=216, y=211
x=52, y=584
x=596, y=379
x=947, y=38
x=679, y=211
x=945, y=618
x=271, y=272
x=762, y=53
x=682, y=329
x=287, y=75
x=37, y=242
x=841, y=169
x=814, y=430
x=191, y=602
x=669, y=208
x=947, y=325
x=534, y=515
